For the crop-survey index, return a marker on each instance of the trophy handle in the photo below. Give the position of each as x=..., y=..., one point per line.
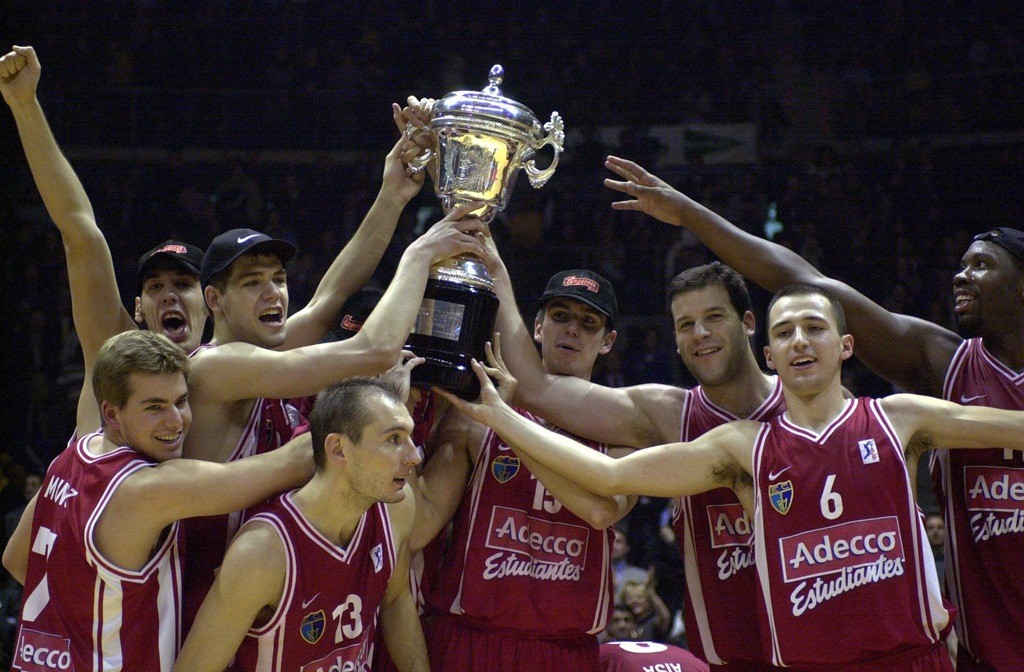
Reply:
x=420, y=162
x=556, y=138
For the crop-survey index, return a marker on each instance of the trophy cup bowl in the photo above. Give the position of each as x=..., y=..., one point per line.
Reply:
x=480, y=140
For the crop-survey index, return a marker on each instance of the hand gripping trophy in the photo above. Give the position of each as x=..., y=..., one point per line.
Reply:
x=481, y=139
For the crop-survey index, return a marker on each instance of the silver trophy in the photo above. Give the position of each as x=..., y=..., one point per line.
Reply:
x=481, y=140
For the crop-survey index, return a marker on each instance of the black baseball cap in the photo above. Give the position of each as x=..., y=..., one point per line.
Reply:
x=583, y=285
x=232, y=244
x=188, y=257
x=1009, y=239
x=355, y=311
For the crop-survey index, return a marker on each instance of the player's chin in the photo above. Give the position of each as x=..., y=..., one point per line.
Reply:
x=399, y=491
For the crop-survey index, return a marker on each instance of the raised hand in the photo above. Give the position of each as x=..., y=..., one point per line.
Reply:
x=400, y=375
x=405, y=183
x=650, y=194
x=456, y=234
x=497, y=370
x=19, y=75
x=488, y=406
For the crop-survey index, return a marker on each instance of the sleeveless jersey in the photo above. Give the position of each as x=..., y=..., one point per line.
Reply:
x=982, y=492
x=715, y=540
x=840, y=542
x=648, y=657
x=519, y=560
x=271, y=424
x=327, y=616
x=80, y=611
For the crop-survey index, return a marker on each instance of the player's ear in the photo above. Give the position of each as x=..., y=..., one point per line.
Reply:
x=212, y=297
x=336, y=447
x=846, y=342
x=768, y=358
x=138, y=311
x=749, y=324
x=108, y=415
x=609, y=341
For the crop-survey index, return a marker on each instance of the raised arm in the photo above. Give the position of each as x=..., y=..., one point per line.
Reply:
x=719, y=458
x=151, y=499
x=923, y=423
x=250, y=578
x=357, y=261
x=638, y=416
x=907, y=351
x=599, y=511
x=95, y=301
x=400, y=623
x=242, y=371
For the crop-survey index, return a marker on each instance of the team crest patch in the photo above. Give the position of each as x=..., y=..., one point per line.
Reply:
x=505, y=467
x=377, y=555
x=312, y=626
x=781, y=496
x=868, y=451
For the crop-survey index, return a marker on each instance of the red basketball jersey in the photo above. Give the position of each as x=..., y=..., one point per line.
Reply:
x=80, y=611
x=271, y=424
x=983, y=496
x=648, y=657
x=327, y=616
x=846, y=571
x=519, y=559
x=715, y=540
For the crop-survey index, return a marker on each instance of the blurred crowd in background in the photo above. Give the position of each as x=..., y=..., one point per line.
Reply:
x=888, y=133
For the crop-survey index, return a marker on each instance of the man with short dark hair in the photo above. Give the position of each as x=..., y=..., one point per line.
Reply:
x=303, y=580
x=713, y=325
x=98, y=548
x=259, y=358
x=839, y=537
x=501, y=601
x=979, y=367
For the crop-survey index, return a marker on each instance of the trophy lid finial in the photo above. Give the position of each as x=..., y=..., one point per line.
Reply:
x=496, y=76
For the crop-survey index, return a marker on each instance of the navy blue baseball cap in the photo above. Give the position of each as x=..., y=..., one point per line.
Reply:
x=232, y=244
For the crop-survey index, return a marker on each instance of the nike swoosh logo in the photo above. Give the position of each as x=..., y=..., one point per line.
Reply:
x=964, y=399
x=504, y=446
x=306, y=603
x=772, y=475
x=242, y=239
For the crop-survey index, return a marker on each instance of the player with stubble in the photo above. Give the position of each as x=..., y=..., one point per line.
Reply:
x=713, y=325
x=840, y=542
x=303, y=580
x=980, y=366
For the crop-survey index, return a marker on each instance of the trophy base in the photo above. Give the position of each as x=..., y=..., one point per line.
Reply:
x=455, y=321
x=457, y=378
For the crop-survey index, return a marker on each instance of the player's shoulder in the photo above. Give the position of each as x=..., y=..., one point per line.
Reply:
x=258, y=547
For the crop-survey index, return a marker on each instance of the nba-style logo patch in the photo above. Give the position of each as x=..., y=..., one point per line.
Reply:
x=312, y=626
x=868, y=451
x=377, y=555
x=504, y=468
x=781, y=496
